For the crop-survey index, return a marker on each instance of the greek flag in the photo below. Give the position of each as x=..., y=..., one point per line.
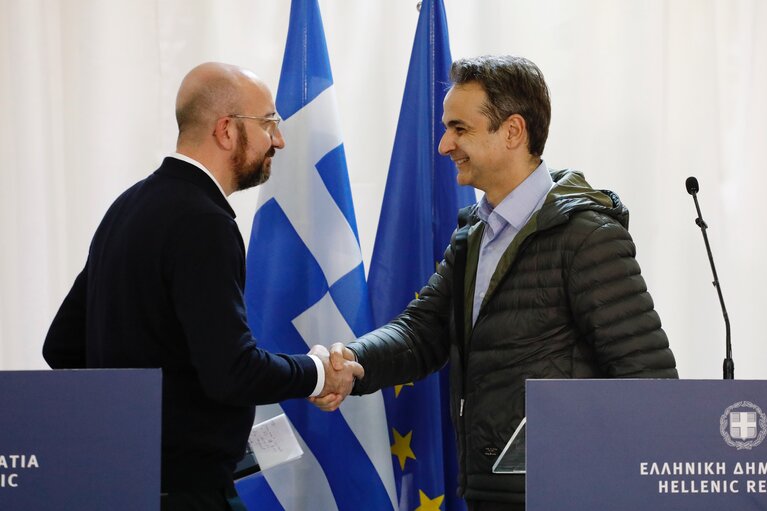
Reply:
x=418, y=215
x=306, y=285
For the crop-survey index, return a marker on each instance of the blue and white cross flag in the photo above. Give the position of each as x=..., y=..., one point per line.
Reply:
x=306, y=285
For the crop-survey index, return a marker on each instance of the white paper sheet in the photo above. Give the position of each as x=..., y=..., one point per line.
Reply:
x=273, y=442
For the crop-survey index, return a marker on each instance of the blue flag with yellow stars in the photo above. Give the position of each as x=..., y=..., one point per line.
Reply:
x=418, y=215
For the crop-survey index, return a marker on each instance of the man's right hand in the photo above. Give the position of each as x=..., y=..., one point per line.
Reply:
x=341, y=370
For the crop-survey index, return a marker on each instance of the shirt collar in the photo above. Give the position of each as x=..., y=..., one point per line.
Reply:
x=202, y=167
x=519, y=205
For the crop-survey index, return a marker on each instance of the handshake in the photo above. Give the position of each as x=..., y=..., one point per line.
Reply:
x=341, y=371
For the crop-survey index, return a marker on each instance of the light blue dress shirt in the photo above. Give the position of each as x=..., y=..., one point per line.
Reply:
x=502, y=224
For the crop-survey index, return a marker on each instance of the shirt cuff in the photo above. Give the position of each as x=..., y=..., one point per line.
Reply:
x=320, y=376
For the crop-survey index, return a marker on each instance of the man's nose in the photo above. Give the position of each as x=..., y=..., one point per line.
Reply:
x=446, y=144
x=277, y=140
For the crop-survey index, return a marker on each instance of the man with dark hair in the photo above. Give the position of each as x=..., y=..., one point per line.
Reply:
x=162, y=287
x=540, y=280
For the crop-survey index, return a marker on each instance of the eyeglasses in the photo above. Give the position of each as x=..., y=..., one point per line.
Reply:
x=271, y=122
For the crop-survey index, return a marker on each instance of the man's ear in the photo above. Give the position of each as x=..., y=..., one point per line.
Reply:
x=224, y=133
x=515, y=130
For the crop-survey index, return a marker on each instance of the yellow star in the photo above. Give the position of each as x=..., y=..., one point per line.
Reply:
x=401, y=448
x=428, y=504
x=398, y=388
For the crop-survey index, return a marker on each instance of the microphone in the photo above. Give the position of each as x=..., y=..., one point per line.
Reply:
x=728, y=367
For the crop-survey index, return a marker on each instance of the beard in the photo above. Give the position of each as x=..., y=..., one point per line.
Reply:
x=248, y=174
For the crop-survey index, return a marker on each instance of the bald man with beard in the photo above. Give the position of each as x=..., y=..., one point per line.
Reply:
x=163, y=287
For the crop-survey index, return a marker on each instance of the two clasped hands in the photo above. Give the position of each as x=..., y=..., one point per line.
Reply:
x=341, y=371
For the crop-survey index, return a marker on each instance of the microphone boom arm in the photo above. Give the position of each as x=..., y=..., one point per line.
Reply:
x=728, y=366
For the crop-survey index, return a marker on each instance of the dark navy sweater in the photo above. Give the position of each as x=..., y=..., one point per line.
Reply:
x=163, y=287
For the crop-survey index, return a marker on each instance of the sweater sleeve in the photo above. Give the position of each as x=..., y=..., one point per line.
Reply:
x=206, y=283
x=64, y=346
x=613, y=309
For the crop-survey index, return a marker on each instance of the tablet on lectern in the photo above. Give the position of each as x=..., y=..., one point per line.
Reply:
x=512, y=459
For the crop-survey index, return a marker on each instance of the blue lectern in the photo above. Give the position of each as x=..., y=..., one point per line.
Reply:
x=638, y=445
x=80, y=440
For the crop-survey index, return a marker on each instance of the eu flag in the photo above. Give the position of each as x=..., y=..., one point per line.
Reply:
x=418, y=215
x=306, y=285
